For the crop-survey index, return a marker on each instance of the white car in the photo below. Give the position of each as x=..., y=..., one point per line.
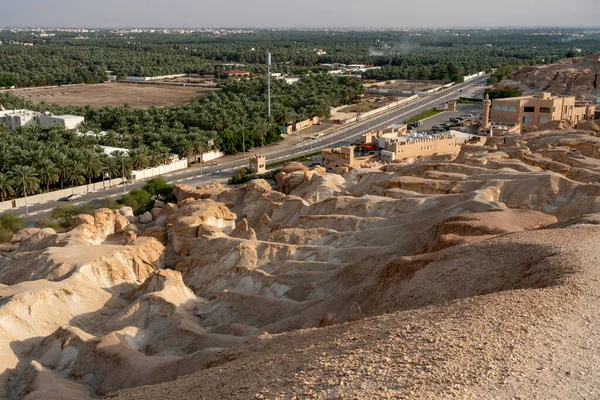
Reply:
x=73, y=197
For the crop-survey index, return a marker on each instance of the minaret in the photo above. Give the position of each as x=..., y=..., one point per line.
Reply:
x=487, y=103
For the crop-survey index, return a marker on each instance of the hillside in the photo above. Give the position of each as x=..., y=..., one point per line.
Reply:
x=468, y=278
x=577, y=76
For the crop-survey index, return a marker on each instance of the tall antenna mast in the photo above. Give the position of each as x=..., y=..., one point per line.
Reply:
x=268, y=62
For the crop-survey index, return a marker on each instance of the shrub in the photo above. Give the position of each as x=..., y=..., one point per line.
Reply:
x=63, y=214
x=241, y=175
x=46, y=223
x=9, y=225
x=139, y=200
x=5, y=235
x=159, y=190
x=500, y=94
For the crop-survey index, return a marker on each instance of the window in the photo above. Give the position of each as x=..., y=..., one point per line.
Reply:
x=545, y=110
x=513, y=109
x=497, y=108
x=543, y=120
x=528, y=119
x=529, y=109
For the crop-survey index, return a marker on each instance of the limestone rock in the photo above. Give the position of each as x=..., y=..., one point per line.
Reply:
x=23, y=235
x=588, y=126
x=127, y=212
x=157, y=232
x=155, y=212
x=82, y=219
x=146, y=218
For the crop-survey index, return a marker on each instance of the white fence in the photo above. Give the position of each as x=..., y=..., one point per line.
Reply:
x=211, y=155
x=156, y=171
x=94, y=187
x=58, y=194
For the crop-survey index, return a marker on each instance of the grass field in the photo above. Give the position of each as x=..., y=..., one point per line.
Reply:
x=114, y=94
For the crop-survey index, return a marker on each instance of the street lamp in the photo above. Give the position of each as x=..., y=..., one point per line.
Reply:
x=123, y=171
x=25, y=193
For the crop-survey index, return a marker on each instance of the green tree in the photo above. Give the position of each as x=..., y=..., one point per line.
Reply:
x=6, y=186
x=48, y=173
x=26, y=179
x=75, y=174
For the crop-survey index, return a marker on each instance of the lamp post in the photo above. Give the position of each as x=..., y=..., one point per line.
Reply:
x=123, y=171
x=244, y=141
x=25, y=194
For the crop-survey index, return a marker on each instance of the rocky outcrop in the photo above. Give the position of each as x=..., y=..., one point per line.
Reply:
x=386, y=282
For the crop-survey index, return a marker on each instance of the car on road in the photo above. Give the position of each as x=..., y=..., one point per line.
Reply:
x=73, y=197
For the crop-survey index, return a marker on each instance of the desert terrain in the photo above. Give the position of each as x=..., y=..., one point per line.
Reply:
x=578, y=76
x=476, y=277
x=113, y=94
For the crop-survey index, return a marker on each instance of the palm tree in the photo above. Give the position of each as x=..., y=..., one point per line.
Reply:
x=75, y=174
x=139, y=158
x=62, y=162
x=49, y=174
x=91, y=165
x=6, y=186
x=112, y=166
x=26, y=179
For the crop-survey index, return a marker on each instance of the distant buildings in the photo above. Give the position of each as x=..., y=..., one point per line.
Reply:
x=389, y=147
x=235, y=73
x=20, y=118
x=537, y=110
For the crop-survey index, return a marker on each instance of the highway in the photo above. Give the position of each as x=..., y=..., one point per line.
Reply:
x=197, y=176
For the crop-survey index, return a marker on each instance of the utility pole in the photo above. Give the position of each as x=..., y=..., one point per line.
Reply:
x=25, y=193
x=123, y=172
x=268, y=62
x=244, y=140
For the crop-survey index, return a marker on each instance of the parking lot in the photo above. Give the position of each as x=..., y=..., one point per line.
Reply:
x=446, y=115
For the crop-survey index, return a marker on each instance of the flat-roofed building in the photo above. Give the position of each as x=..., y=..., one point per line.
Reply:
x=65, y=121
x=539, y=110
x=21, y=118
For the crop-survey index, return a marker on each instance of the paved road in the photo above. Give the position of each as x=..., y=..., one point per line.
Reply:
x=195, y=176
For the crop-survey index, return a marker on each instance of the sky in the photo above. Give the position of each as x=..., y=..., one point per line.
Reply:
x=298, y=13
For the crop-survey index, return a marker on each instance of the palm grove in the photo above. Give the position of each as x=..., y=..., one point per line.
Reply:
x=48, y=159
x=34, y=160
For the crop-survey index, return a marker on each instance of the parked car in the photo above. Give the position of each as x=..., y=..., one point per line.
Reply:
x=453, y=119
x=469, y=115
x=73, y=197
x=419, y=123
x=460, y=119
x=437, y=128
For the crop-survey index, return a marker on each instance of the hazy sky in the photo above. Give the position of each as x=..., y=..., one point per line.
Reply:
x=299, y=13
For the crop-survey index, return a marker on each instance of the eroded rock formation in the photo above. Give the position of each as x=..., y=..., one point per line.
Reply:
x=423, y=280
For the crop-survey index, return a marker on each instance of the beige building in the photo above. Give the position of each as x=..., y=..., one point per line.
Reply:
x=257, y=164
x=408, y=147
x=338, y=157
x=531, y=110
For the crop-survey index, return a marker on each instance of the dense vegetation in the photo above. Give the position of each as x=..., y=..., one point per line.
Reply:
x=9, y=225
x=427, y=54
x=503, y=93
x=58, y=158
x=33, y=160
